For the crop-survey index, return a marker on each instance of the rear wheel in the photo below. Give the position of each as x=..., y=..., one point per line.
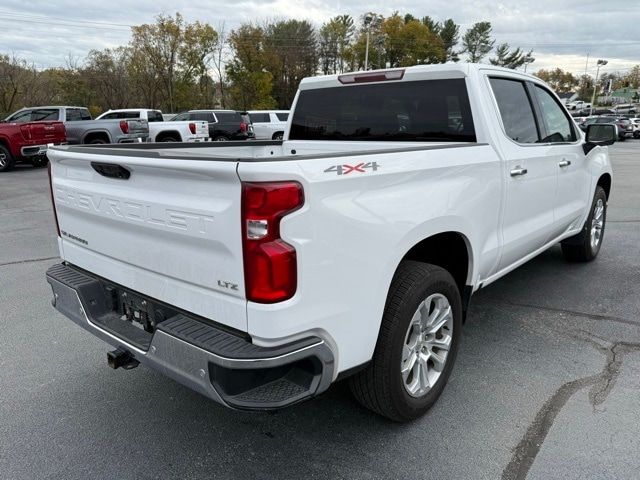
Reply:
x=39, y=161
x=220, y=138
x=585, y=246
x=417, y=344
x=97, y=141
x=6, y=159
x=278, y=136
x=168, y=139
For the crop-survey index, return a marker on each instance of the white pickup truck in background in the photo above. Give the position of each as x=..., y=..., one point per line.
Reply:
x=269, y=124
x=161, y=130
x=258, y=273
x=578, y=105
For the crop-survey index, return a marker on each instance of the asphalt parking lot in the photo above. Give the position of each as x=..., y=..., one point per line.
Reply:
x=547, y=383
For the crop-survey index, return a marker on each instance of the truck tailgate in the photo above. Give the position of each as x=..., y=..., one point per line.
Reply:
x=137, y=125
x=171, y=230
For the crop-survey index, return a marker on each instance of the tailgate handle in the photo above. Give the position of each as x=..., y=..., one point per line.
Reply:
x=111, y=170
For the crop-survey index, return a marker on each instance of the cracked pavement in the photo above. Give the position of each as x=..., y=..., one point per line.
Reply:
x=547, y=382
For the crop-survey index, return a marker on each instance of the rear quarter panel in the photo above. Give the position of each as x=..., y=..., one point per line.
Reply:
x=354, y=229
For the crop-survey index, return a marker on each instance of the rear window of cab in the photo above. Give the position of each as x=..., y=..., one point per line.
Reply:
x=411, y=111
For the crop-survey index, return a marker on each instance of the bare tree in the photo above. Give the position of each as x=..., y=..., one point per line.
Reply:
x=17, y=81
x=220, y=60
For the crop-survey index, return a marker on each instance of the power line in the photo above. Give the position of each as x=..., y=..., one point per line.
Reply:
x=71, y=25
x=49, y=17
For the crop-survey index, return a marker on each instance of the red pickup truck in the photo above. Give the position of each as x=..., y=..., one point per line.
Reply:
x=27, y=142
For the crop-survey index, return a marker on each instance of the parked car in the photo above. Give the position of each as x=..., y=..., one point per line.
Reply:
x=598, y=111
x=269, y=124
x=625, y=108
x=247, y=119
x=352, y=249
x=579, y=116
x=623, y=125
x=161, y=130
x=82, y=129
x=635, y=123
x=578, y=105
x=223, y=124
x=28, y=142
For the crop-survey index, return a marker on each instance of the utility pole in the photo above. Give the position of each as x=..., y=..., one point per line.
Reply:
x=586, y=65
x=595, y=84
x=370, y=20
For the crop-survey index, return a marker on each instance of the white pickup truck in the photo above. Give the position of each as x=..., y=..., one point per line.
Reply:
x=578, y=105
x=259, y=273
x=161, y=130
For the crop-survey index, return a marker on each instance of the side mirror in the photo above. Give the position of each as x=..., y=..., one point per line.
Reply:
x=600, y=134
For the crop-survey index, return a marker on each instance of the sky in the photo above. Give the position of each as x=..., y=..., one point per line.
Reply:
x=561, y=32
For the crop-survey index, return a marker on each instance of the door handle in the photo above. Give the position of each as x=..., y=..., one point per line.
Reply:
x=518, y=171
x=111, y=170
x=564, y=163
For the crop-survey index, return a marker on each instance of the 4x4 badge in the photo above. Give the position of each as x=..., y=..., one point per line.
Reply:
x=347, y=169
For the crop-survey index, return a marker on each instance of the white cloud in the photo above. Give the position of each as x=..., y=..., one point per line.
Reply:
x=561, y=33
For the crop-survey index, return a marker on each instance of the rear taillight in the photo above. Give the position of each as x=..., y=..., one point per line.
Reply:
x=53, y=203
x=243, y=127
x=192, y=128
x=124, y=126
x=270, y=265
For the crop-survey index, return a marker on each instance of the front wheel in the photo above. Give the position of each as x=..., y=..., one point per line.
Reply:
x=417, y=344
x=585, y=246
x=6, y=159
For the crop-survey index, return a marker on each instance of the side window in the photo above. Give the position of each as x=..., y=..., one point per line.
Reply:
x=229, y=117
x=21, y=117
x=44, y=114
x=73, y=114
x=154, y=116
x=84, y=114
x=109, y=116
x=181, y=117
x=260, y=118
x=283, y=117
x=515, y=109
x=557, y=123
x=201, y=116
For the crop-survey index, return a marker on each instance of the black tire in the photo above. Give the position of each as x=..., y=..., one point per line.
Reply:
x=6, y=159
x=97, y=141
x=580, y=248
x=39, y=161
x=220, y=138
x=380, y=387
x=278, y=136
x=168, y=139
